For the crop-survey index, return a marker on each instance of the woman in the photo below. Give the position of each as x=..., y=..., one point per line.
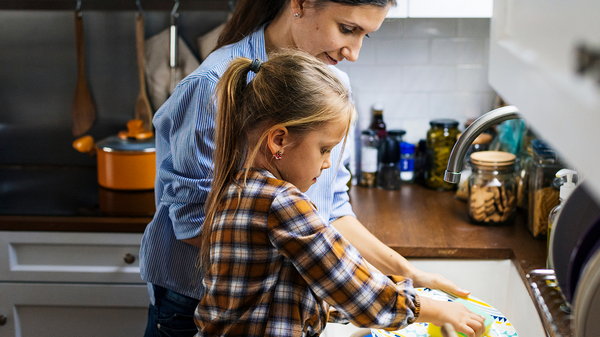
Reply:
x=332, y=31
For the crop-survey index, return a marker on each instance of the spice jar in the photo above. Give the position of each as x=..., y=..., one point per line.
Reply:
x=441, y=137
x=492, y=188
x=542, y=195
x=368, y=158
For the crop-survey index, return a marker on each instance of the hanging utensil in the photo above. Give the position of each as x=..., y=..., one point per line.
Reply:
x=173, y=51
x=143, y=111
x=84, y=110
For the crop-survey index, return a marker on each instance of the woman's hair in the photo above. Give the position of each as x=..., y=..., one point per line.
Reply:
x=249, y=15
x=293, y=90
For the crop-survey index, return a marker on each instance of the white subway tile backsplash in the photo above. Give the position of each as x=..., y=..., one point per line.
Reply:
x=426, y=28
x=429, y=78
x=422, y=69
x=402, y=51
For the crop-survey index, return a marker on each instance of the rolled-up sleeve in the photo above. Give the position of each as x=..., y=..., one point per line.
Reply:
x=335, y=271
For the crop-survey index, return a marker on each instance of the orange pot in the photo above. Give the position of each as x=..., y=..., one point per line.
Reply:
x=126, y=161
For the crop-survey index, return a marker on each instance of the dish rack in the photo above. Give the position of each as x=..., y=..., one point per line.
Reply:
x=551, y=305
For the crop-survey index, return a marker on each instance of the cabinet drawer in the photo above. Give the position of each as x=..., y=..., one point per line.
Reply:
x=69, y=257
x=73, y=310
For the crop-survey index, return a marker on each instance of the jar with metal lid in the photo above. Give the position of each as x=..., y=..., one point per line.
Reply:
x=441, y=137
x=492, y=188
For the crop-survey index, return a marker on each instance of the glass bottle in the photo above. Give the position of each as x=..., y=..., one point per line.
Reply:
x=492, y=188
x=441, y=137
x=377, y=123
x=407, y=162
x=368, y=158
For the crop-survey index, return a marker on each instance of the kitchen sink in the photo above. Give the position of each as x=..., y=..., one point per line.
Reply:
x=496, y=282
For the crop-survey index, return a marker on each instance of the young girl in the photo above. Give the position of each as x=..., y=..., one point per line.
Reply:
x=272, y=266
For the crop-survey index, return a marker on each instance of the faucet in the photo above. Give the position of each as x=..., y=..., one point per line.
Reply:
x=455, y=161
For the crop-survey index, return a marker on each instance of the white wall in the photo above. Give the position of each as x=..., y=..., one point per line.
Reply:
x=422, y=69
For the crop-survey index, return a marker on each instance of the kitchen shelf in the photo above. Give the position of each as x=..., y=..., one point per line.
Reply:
x=554, y=310
x=107, y=5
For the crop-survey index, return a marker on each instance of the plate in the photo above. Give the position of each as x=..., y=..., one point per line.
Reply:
x=585, y=248
x=579, y=212
x=500, y=328
x=587, y=300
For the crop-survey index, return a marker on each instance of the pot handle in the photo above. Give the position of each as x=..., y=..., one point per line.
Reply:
x=85, y=144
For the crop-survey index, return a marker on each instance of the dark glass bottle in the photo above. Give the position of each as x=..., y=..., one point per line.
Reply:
x=377, y=123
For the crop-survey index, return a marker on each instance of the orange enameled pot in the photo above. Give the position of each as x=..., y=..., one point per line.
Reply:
x=126, y=161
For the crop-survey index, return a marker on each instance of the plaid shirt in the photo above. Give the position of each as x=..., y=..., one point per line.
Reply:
x=276, y=266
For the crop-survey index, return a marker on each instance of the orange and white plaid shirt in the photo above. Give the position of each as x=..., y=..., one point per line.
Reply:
x=276, y=267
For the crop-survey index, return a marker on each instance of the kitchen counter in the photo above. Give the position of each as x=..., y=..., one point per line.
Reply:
x=415, y=221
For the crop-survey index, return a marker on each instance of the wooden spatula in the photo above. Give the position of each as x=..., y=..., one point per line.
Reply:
x=84, y=110
x=143, y=110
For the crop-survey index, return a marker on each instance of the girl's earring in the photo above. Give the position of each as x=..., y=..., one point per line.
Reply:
x=296, y=15
x=278, y=155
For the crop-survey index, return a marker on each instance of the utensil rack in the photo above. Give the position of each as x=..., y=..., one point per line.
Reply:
x=550, y=302
x=203, y=5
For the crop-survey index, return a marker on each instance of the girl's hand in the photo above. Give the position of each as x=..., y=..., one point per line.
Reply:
x=462, y=319
x=436, y=281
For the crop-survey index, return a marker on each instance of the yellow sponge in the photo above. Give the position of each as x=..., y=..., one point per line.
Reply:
x=435, y=331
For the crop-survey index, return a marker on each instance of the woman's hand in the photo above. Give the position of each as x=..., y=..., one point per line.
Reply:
x=436, y=281
x=462, y=319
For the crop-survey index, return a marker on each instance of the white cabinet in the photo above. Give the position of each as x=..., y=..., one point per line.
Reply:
x=533, y=62
x=71, y=284
x=442, y=9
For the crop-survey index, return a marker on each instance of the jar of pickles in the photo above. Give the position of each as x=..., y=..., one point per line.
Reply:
x=441, y=137
x=492, y=188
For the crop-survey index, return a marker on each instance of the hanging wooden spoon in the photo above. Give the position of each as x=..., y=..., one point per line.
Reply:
x=84, y=110
x=143, y=110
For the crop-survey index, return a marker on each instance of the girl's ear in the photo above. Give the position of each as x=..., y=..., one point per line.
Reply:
x=277, y=139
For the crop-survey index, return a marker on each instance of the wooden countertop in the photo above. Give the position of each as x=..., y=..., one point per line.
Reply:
x=415, y=221
x=419, y=222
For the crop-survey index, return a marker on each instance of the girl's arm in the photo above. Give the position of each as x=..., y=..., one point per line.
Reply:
x=389, y=261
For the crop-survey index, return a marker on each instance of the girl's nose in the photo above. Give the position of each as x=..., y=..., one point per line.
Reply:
x=326, y=164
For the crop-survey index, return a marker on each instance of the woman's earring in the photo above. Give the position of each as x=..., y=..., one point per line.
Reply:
x=278, y=155
x=296, y=15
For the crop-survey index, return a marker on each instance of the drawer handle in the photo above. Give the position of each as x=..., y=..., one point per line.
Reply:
x=129, y=258
x=3, y=320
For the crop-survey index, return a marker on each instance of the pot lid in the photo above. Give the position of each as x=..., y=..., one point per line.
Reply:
x=116, y=144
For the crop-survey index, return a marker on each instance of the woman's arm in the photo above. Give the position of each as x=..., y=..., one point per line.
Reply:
x=389, y=261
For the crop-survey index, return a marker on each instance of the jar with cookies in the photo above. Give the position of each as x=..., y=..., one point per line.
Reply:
x=492, y=188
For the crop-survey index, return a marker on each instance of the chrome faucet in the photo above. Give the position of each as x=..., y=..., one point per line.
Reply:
x=455, y=162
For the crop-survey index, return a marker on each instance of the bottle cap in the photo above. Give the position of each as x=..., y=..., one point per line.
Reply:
x=377, y=107
x=407, y=148
x=569, y=178
x=398, y=133
x=389, y=151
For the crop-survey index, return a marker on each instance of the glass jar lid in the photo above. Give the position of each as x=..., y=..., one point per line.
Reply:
x=493, y=158
x=444, y=123
x=368, y=132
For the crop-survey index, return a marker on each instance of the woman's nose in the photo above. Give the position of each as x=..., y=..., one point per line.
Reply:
x=352, y=50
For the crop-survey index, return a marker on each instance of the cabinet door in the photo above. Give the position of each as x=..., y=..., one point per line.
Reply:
x=69, y=257
x=541, y=60
x=73, y=310
x=450, y=8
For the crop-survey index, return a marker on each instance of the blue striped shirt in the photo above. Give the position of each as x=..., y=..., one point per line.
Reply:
x=184, y=146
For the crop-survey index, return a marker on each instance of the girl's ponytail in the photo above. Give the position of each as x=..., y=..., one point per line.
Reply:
x=229, y=154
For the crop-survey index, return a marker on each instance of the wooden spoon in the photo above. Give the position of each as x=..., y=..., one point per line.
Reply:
x=84, y=110
x=143, y=110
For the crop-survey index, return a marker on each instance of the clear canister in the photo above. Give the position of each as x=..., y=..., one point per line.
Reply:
x=492, y=188
x=441, y=137
x=542, y=195
x=368, y=158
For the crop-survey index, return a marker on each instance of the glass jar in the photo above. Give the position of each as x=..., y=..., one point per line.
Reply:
x=481, y=143
x=441, y=137
x=542, y=195
x=368, y=158
x=492, y=188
